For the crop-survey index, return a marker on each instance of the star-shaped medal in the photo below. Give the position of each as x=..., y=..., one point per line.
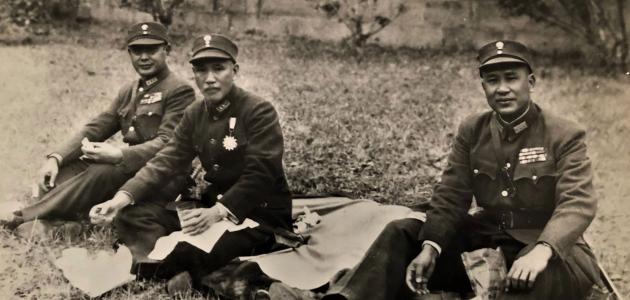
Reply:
x=229, y=143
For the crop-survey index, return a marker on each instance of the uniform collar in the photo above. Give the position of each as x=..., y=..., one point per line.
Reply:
x=152, y=81
x=217, y=110
x=511, y=130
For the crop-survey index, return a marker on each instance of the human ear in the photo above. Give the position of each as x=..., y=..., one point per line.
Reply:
x=531, y=79
x=236, y=68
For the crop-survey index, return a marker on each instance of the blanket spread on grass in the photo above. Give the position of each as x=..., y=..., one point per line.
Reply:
x=347, y=229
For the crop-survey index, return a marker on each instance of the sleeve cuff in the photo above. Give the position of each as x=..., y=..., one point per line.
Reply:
x=56, y=156
x=553, y=251
x=226, y=213
x=133, y=201
x=434, y=245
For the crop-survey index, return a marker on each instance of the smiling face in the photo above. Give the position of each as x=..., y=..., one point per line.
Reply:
x=148, y=60
x=508, y=88
x=214, y=77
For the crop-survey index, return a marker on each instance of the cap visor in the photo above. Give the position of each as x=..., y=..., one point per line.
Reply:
x=146, y=41
x=502, y=60
x=209, y=54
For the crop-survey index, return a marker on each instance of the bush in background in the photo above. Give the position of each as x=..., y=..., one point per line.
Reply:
x=600, y=24
x=364, y=18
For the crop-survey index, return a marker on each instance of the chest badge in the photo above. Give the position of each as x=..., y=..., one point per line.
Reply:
x=229, y=141
x=151, y=98
x=530, y=155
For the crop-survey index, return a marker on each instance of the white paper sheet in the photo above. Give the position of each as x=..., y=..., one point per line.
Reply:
x=96, y=274
x=204, y=241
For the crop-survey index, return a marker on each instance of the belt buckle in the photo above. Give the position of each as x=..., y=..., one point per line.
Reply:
x=506, y=220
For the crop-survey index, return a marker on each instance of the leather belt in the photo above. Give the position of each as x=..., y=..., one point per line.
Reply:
x=516, y=219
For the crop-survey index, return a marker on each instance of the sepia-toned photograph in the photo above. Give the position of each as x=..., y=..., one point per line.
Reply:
x=315, y=149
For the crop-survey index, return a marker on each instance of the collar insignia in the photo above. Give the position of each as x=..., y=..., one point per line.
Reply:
x=151, y=81
x=520, y=127
x=223, y=106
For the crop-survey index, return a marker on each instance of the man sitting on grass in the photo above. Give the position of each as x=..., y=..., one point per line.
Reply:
x=238, y=139
x=529, y=171
x=86, y=170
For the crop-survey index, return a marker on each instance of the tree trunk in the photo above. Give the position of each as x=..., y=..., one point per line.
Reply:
x=623, y=42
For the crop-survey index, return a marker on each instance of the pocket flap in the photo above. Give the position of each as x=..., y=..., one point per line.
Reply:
x=535, y=171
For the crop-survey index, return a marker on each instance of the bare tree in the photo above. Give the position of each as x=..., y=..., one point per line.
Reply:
x=161, y=10
x=600, y=24
x=364, y=18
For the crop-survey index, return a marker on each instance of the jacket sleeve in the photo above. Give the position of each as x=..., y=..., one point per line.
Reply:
x=452, y=196
x=575, y=196
x=174, y=159
x=263, y=162
x=135, y=157
x=98, y=129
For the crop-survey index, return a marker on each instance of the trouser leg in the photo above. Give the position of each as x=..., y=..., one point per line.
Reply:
x=381, y=272
x=141, y=225
x=186, y=257
x=80, y=186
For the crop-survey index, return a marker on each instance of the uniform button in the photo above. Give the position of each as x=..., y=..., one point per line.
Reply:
x=507, y=165
x=215, y=118
x=140, y=89
x=131, y=128
x=476, y=171
x=264, y=204
x=216, y=167
x=213, y=141
x=534, y=177
x=219, y=196
x=504, y=193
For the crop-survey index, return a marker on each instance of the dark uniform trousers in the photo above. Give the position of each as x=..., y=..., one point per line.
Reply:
x=381, y=273
x=146, y=113
x=248, y=180
x=543, y=192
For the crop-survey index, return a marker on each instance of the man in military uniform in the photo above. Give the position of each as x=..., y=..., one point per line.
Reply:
x=237, y=137
x=529, y=172
x=86, y=170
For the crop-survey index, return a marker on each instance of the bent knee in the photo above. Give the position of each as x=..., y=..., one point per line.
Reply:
x=127, y=215
x=106, y=170
x=406, y=227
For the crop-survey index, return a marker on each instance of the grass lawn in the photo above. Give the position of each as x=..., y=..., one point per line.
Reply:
x=378, y=129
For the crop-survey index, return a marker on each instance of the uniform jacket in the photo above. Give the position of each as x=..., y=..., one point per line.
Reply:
x=550, y=170
x=249, y=180
x=146, y=113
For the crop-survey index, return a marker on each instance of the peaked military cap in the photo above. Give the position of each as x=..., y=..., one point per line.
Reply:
x=504, y=52
x=147, y=33
x=213, y=46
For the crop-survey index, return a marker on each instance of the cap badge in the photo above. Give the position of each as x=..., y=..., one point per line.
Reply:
x=144, y=27
x=207, y=38
x=499, y=46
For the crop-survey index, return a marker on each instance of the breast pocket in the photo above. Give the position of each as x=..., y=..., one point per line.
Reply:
x=536, y=183
x=485, y=182
x=147, y=119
